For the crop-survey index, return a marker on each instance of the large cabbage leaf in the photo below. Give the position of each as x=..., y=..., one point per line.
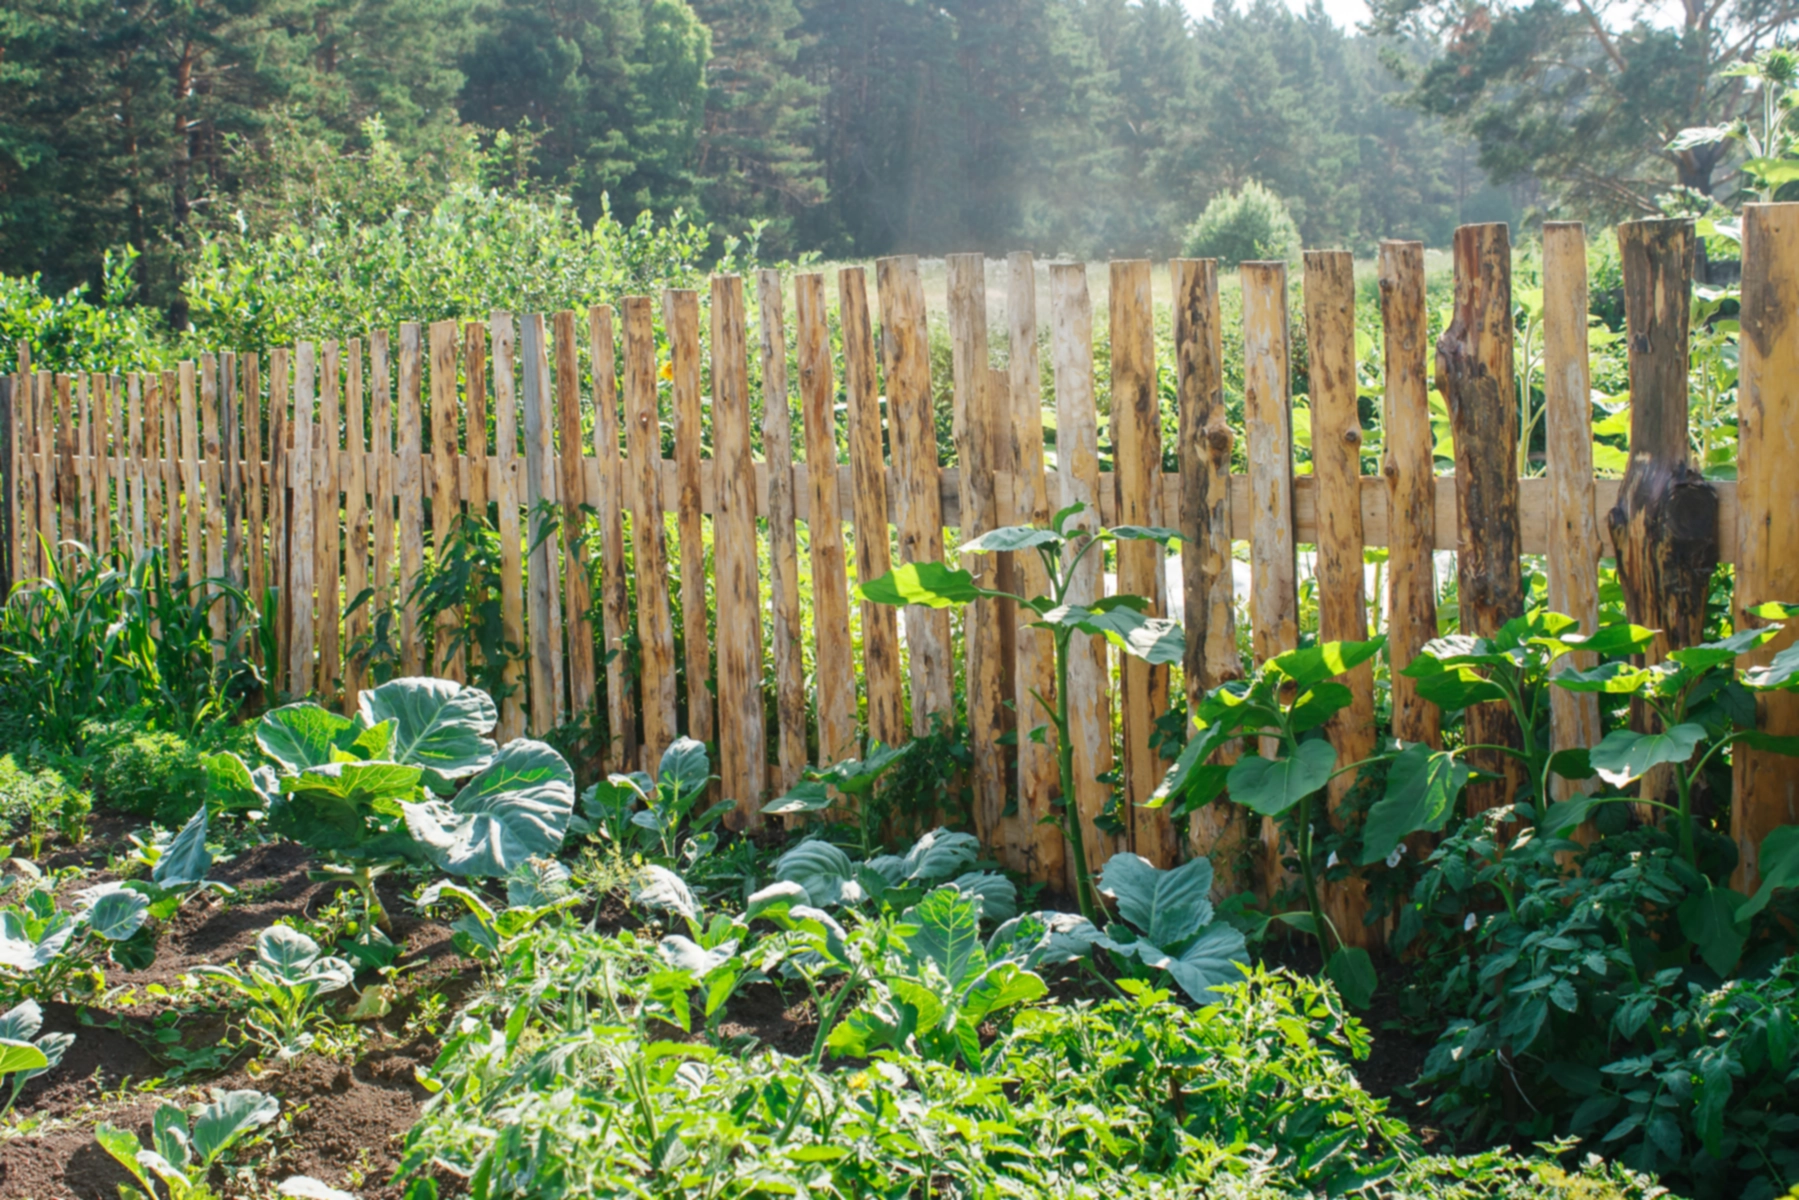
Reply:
x=518, y=807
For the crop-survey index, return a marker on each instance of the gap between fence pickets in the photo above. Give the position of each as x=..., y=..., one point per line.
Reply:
x=1534, y=500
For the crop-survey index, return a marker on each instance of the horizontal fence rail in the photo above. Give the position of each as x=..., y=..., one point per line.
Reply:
x=657, y=595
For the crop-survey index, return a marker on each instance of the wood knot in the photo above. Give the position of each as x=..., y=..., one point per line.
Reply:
x=1390, y=470
x=1352, y=436
x=1218, y=437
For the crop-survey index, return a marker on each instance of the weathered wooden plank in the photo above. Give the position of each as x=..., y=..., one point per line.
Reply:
x=45, y=416
x=211, y=477
x=783, y=540
x=1342, y=599
x=409, y=489
x=475, y=484
x=608, y=507
x=303, y=486
x=1137, y=422
x=173, y=525
x=193, y=501
x=280, y=398
x=1079, y=482
x=1766, y=792
x=384, y=467
x=906, y=362
x=983, y=639
x=446, y=501
x=512, y=567
x=356, y=524
x=573, y=484
x=681, y=324
x=109, y=459
x=134, y=432
x=1409, y=465
x=649, y=532
x=1267, y=416
x=868, y=474
x=834, y=670
x=542, y=599
x=231, y=433
x=1574, y=546
x=1474, y=373
x=255, y=484
x=81, y=444
x=327, y=573
x=1039, y=780
x=741, y=735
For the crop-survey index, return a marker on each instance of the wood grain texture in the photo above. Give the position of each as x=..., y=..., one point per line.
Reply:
x=280, y=404
x=1218, y=830
x=1574, y=546
x=446, y=501
x=1137, y=425
x=231, y=432
x=783, y=539
x=134, y=426
x=1766, y=792
x=72, y=459
x=504, y=331
x=834, y=665
x=409, y=493
x=983, y=639
x=193, y=502
x=44, y=417
x=302, y=484
x=1409, y=466
x=109, y=459
x=1041, y=847
x=608, y=505
x=174, y=527
x=327, y=575
x=571, y=463
x=1078, y=481
x=383, y=469
x=475, y=483
x=868, y=489
x=649, y=532
x=543, y=600
x=1474, y=373
x=356, y=522
x=255, y=484
x=1267, y=415
x=681, y=324
x=906, y=364
x=741, y=735
x=1342, y=597
x=211, y=477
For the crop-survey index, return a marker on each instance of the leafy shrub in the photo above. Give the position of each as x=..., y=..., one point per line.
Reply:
x=145, y=771
x=281, y=988
x=1252, y=223
x=185, y=1145
x=35, y=803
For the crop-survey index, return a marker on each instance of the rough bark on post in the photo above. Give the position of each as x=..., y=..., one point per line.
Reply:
x=409, y=488
x=1342, y=599
x=1573, y=566
x=742, y=743
x=783, y=538
x=445, y=499
x=504, y=331
x=1766, y=795
x=982, y=652
x=1474, y=373
x=1409, y=465
x=615, y=606
x=681, y=320
x=571, y=465
x=1137, y=426
x=1664, y=526
x=543, y=599
x=1210, y=608
x=906, y=362
x=1039, y=779
x=649, y=532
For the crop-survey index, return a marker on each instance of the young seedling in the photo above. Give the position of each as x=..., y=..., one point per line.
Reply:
x=1119, y=619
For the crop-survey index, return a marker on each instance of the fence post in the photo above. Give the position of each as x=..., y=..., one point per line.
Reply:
x=615, y=610
x=681, y=321
x=783, y=539
x=329, y=541
x=1766, y=794
x=280, y=393
x=741, y=737
x=1337, y=474
x=356, y=524
x=9, y=482
x=512, y=567
x=381, y=434
x=649, y=533
x=1040, y=844
x=572, y=482
x=444, y=492
x=868, y=494
x=1665, y=524
x=1573, y=566
x=1474, y=373
x=299, y=549
x=409, y=488
x=542, y=599
x=911, y=424
x=476, y=488
x=1077, y=470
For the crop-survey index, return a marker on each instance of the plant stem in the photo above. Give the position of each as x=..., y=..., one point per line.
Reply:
x=1685, y=788
x=1309, y=876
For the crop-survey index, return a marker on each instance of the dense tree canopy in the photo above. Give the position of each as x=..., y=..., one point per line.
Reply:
x=837, y=126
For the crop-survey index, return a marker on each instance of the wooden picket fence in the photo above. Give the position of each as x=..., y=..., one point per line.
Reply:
x=314, y=472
